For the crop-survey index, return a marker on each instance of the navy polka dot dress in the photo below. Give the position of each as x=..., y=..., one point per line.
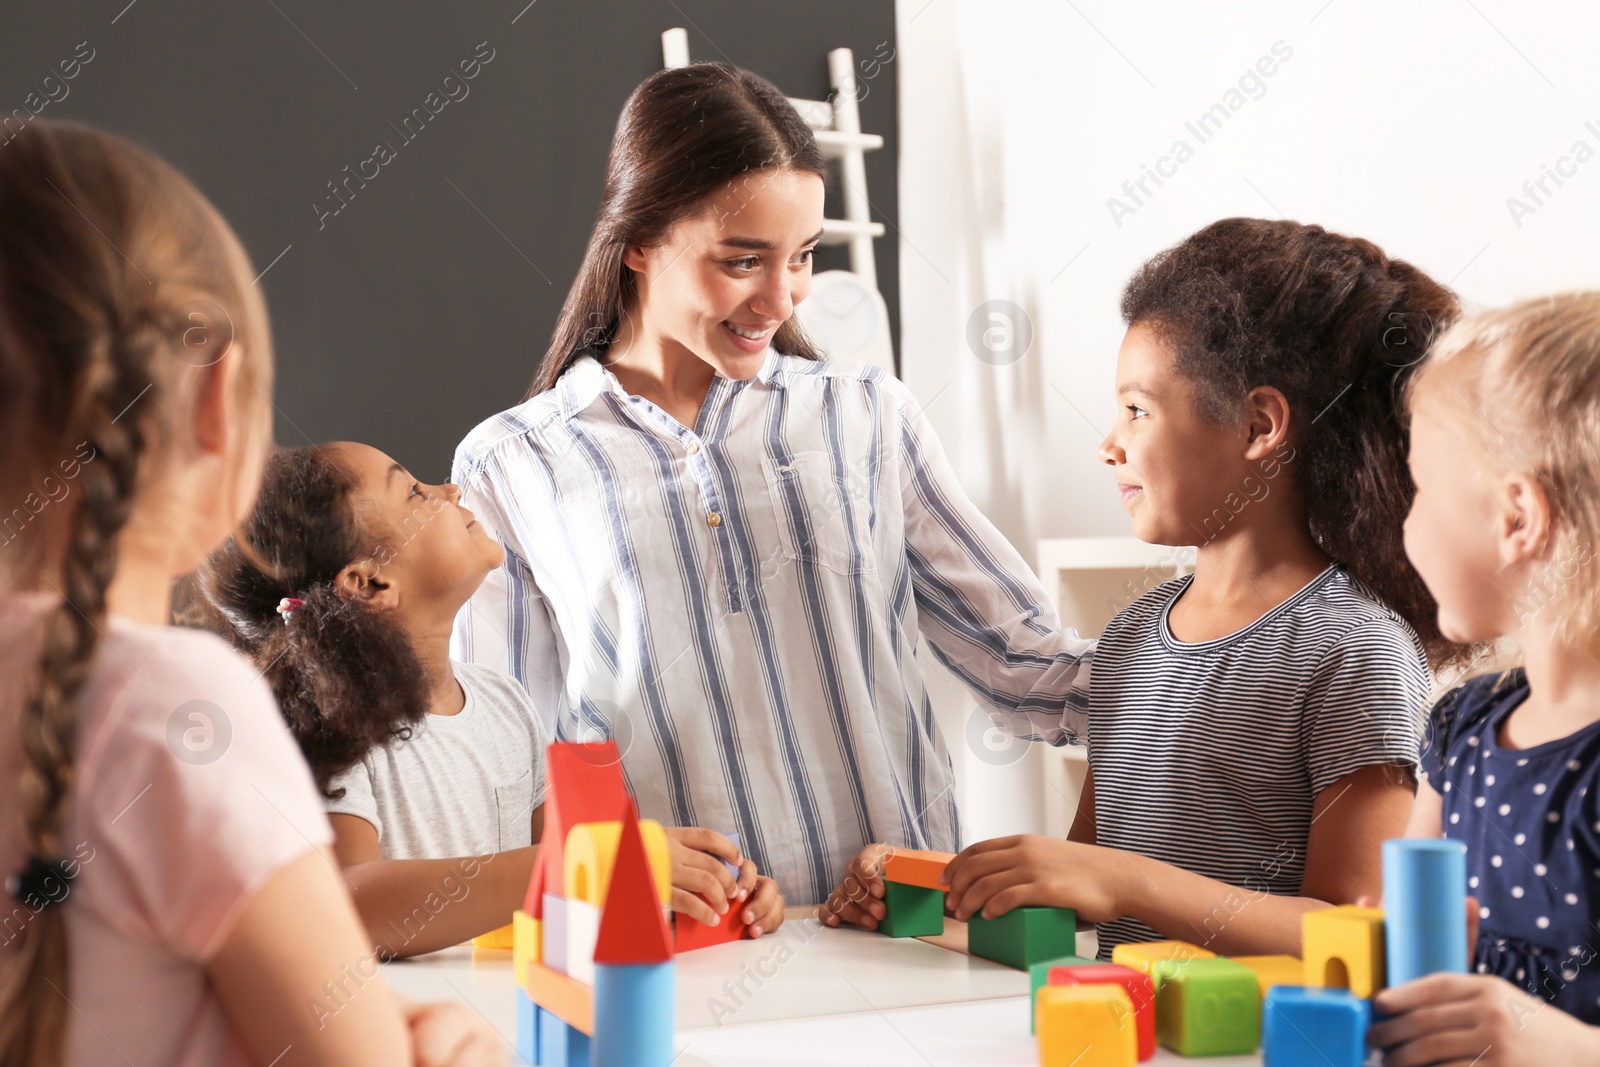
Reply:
x=1530, y=819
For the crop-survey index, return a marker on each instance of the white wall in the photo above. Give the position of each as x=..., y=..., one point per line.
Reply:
x=1409, y=124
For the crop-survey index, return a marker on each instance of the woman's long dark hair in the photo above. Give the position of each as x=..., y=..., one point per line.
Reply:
x=345, y=675
x=684, y=134
x=1337, y=326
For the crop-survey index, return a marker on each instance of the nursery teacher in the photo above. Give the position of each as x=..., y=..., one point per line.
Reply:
x=720, y=550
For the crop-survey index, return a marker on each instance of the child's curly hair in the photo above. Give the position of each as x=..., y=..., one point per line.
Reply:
x=345, y=675
x=1336, y=326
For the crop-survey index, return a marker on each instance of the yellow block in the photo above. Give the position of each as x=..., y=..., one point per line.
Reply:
x=1085, y=1026
x=1143, y=956
x=591, y=851
x=527, y=945
x=1273, y=970
x=1343, y=948
x=500, y=938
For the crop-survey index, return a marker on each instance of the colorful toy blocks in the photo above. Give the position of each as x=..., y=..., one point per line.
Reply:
x=1209, y=1007
x=1142, y=956
x=1085, y=1026
x=912, y=911
x=1023, y=936
x=1273, y=970
x=1039, y=975
x=498, y=938
x=560, y=1045
x=1425, y=903
x=689, y=933
x=590, y=950
x=1343, y=948
x=527, y=1027
x=915, y=867
x=1141, y=994
x=1303, y=1027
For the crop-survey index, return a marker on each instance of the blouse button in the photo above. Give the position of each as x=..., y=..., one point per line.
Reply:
x=693, y=448
x=714, y=519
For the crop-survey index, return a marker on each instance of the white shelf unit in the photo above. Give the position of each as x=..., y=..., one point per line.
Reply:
x=1090, y=579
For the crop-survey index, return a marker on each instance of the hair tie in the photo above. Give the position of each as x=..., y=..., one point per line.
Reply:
x=288, y=606
x=41, y=882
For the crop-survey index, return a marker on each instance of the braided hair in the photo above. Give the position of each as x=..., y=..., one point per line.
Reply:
x=117, y=281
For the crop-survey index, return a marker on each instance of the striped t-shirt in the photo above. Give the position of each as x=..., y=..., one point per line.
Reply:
x=1208, y=755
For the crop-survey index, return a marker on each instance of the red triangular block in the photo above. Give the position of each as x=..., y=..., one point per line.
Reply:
x=583, y=784
x=632, y=928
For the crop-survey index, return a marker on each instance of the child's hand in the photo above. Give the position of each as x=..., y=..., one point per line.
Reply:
x=701, y=886
x=1476, y=1019
x=450, y=1034
x=858, y=898
x=764, y=913
x=995, y=876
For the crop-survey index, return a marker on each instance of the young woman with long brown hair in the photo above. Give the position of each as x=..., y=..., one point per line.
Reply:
x=723, y=551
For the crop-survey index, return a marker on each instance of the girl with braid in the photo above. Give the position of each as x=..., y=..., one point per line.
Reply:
x=170, y=896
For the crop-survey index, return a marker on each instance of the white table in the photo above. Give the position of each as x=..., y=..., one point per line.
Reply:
x=807, y=994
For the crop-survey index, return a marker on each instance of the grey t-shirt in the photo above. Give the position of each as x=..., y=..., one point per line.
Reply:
x=463, y=784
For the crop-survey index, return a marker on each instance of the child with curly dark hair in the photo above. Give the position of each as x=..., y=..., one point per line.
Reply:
x=1252, y=728
x=432, y=769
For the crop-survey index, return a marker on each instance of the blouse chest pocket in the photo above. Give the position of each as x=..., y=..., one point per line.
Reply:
x=820, y=520
x=514, y=809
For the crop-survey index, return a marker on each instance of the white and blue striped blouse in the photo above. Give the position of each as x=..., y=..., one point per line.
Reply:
x=739, y=604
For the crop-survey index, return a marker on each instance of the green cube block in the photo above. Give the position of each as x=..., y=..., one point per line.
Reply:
x=1039, y=973
x=1209, y=1008
x=913, y=911
x=1024, y=936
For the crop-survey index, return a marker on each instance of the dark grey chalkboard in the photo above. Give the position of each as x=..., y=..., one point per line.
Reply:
x=424, y=303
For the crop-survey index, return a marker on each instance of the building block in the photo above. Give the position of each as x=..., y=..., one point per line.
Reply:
x=583, y=930
x=559, y=1044
x=1142, y=956
x=1273, y=970
x=562, y=996
x=1425, y=907
x=1085, y=1026
x=1343, y=948
x=526, y=944
x=1039, y=974
x=1209, y=1007
x=632, y=926
x=583, y=784
x=733, y=868
x=634, y=1012
x=916, y=867
x=1141, y=995
x=592, y=850
x=689, y=933
x=554, y=924
x=1303, y=1027
x=913, y=911
x=1023, y=936
x=496, y=938
x=527, y=1028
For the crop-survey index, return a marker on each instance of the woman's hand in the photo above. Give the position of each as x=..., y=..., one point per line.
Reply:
x=858, y=898
x=1476, y=1019
x=764, y=913
x=701, y=886
x=995, y=876
x=450, y=1034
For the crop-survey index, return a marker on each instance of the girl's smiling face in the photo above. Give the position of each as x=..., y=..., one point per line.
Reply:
x=1175, y=468
x=434, y=551
x=724, y=280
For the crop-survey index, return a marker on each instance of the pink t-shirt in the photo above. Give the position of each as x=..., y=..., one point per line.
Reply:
x=191, y=793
